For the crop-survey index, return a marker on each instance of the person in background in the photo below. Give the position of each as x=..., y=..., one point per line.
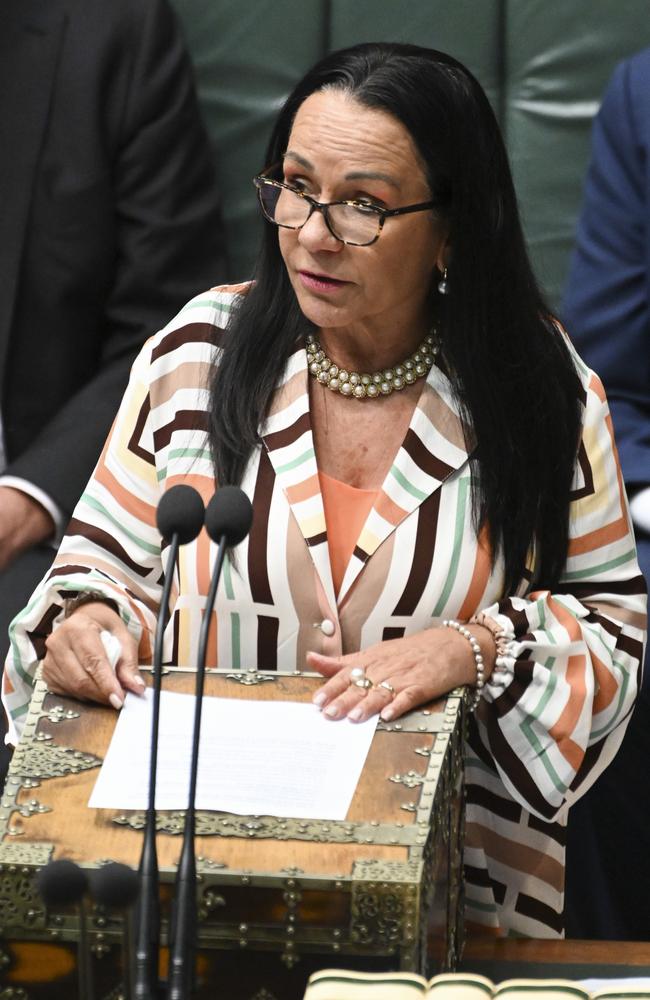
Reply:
x=606, y=310
x=109, y=221
x=386, y=391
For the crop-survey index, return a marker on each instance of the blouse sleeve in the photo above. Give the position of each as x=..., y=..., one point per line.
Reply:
x=557, y=704
x=112, y=547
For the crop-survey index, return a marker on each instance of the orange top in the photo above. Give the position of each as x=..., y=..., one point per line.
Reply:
x=346, y=510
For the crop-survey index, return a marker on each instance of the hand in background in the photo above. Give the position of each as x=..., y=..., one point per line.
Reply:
x=76, y=662
x=23, y=524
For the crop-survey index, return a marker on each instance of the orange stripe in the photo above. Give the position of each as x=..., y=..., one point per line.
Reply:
x=304, y=490
x=7, y=686
x=575, y=677
x=127, y=500
x=480, y=576
x=616, y=529
x=388, y=509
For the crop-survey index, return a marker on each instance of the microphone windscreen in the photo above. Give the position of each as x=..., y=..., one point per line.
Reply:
x=180, y=512
x=229, y=515
x=114, y=885
x=61, y=882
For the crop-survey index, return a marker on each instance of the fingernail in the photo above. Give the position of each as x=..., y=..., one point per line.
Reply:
x=387, y=714
x=137, y=680
x=332, y=711
x=320, y=699
x=355, y=714
x=115, y=702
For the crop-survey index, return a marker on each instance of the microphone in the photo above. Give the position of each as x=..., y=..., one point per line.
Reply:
x=179, y=518
x=116, y=887
x=61, y=883
x=227, y=520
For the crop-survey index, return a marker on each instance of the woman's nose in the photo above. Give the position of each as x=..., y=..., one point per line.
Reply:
x=315, y=235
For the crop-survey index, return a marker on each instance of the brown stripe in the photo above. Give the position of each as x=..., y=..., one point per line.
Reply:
x=360, y=554
x=423, y=458
x=197, y=333
x=318, y=539
x=287, y=436
x=509, y=761
x=527, y=906
x=175, y=640
x=423, y=554
x=392, y=633
x=134, y=441
x=481, y=877
x=43, y=629
x=584, y=590
x=258, y=553
x=106, y=541
x=184, y=420
x=588, y=476
x=480, y=796
x=516, y=856
x=267, y=642
x=556, y=831
x=65, y=569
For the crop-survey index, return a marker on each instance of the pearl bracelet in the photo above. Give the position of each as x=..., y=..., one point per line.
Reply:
x=478, y=659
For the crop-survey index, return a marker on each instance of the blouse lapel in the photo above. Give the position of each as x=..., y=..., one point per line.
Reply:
x=433, y=449
x=288, y=439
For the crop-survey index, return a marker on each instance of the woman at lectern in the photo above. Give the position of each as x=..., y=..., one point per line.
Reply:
x=437, y=499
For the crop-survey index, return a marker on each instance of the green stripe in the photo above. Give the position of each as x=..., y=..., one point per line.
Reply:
x=306, y=455
x=200, y=303
x=17, y=712
x=527, y=729
x=463, y=486
x=153, y=550
x=406, y=485
x=227, y=578
x=235, y=626
x=183, y=453
x=581, y=574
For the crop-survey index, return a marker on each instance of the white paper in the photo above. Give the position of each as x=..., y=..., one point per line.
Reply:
x=256, y=758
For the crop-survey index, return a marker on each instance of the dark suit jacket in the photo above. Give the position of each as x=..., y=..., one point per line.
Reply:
x=607, y=302
x=108, y=218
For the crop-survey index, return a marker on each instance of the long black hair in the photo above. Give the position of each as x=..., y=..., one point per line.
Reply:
x=511, y=369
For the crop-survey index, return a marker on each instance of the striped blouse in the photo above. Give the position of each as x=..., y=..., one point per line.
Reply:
x=551, y=717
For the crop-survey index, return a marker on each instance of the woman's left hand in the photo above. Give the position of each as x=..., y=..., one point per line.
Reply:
x=404, y=673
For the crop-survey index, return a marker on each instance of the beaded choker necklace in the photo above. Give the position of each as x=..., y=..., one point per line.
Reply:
x=365, y=386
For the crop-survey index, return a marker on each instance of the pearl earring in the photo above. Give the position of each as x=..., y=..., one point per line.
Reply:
x=443, y=284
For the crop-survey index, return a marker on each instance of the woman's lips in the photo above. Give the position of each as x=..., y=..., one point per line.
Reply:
x=320, y=282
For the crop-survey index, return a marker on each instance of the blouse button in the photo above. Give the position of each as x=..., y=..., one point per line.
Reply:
x=327, y=627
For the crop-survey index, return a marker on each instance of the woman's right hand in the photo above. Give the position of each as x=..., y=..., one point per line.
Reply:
x=76, y=662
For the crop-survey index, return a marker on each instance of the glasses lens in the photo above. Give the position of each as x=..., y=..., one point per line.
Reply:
x=354, y=224
x=282, y=206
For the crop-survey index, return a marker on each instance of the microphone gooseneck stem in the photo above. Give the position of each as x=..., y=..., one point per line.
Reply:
x=184, y=915
x=146, y=918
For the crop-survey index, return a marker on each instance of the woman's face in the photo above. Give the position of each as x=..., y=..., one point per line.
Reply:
x=339, y=150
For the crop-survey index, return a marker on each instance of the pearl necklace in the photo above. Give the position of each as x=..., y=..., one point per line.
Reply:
x=365, y=386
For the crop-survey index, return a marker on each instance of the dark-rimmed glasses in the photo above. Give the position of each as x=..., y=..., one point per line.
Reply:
x=352, y=222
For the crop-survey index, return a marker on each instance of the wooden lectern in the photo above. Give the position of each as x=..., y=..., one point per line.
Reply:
x=277, y=897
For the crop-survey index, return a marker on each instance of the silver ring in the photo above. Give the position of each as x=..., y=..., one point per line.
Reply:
x=358, y=678
x=389, y=687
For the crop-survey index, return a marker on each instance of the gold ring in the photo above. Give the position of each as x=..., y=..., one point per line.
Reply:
x=388, y=687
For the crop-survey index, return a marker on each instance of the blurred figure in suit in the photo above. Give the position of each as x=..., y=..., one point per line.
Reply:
x=109, y=221
x=607, y=313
